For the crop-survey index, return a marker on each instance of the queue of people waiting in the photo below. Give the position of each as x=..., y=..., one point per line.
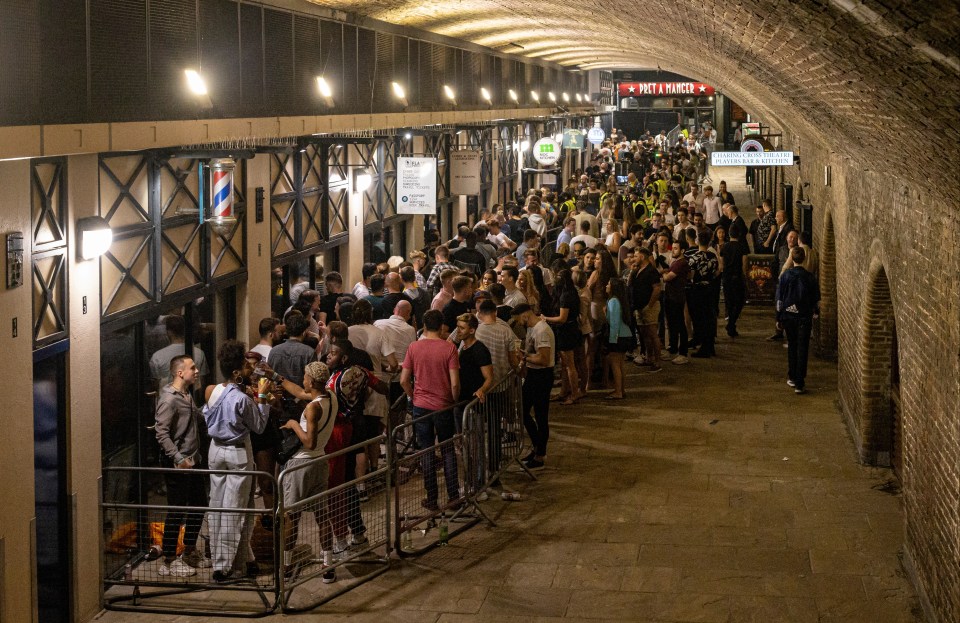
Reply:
x=635, y=273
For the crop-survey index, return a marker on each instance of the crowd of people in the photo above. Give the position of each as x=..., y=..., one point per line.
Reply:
x=565, y=288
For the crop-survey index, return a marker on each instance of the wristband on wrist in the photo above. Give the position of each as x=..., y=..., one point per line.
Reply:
x=277, y=378
x=263, y=396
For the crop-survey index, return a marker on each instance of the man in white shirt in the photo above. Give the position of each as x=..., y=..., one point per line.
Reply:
x=711, y=208
x=397, y=332
x=497, y=238
x=683, y=223
x=585, y=237
x=362, y=288
x=693, y=198
x=513, y=296
x=268, y=336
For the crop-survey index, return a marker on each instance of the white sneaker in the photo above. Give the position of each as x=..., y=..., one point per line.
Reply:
x=665, y=356
x=177, y=569
x=791, y=383
x=680, y=360
x=482, y=496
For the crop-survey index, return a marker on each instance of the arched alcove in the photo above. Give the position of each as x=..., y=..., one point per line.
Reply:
x=881, y=424
x=827, y=324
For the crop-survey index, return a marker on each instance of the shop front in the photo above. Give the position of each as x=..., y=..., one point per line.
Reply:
x=658, y=101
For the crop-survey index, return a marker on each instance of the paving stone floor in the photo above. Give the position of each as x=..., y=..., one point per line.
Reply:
x=712, y=494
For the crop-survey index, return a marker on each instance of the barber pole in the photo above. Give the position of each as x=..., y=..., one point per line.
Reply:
x=221, y=196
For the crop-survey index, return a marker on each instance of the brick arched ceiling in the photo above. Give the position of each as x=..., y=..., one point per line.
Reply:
x=866, y=78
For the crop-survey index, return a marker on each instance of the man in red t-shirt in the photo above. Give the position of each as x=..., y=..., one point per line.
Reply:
x=433, y=363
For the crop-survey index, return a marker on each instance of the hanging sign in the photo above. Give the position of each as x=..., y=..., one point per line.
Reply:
x=465, y=172
x=596, y=135
x=416, y=185
x=573, y=139
x=635, y=89
x=751, y=159
x=546, y=151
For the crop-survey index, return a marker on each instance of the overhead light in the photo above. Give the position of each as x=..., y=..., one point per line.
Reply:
x=324, y=87
x=535, y=96
x=196, y=83
x=586, y=97
x=362, y=179
x=449, y=93
x=579, y=97
x=407, y=136
x=485, y=94
x=399, y=93
x=710, y=98
x=95, y=237
x=566, y=98
x=553, y=98
x=513, y=95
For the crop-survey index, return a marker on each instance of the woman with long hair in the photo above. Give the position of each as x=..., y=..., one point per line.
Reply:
x=620, y=339
x=526, y=286
x=629, y=220
x=489, y=278
x=603, y=271
x=567, y=328
x=613, y=238
x=579, y=279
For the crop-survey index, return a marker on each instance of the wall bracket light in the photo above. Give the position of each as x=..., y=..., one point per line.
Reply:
x=95, y=237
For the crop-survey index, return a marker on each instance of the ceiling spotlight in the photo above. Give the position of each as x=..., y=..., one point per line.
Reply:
x=553, y=98
x=325, y=91
x=485, y=94
x=195, y=82
x=513, y=95
x=565, y=97
x=535, y=96
x=450, y=94
x=399, y=93
x=579, y=97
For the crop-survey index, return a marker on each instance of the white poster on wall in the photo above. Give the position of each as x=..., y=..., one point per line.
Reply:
x=465, y=172
x=416, y=185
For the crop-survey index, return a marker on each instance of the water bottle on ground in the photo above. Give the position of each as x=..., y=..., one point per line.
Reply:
x=511, y=496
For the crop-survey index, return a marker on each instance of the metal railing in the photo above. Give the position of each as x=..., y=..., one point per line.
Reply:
x=322, y=537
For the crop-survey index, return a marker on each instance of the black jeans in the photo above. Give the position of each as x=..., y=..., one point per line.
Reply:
x=677, y=325
x=437, y=429
x=798, y=330
x=702, y=314
x=734, y=297
x=536, y=396
x=183, y=489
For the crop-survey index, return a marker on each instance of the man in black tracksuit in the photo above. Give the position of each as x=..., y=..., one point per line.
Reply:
x=798, y=301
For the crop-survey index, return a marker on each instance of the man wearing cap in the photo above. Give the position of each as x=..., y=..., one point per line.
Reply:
x=538, y=356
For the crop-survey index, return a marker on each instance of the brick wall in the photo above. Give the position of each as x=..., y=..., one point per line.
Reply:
x=896, y=262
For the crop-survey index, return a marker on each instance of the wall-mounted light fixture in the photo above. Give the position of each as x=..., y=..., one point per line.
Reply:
x=579, y=98
x=513, y=96
x=535, y=96
x=524, y=145
x=95, y=237
x=485, y=94
x=399, y=93
x=362, y=179
x=586, y=97
x=565, y=97
x=325, y=91
x=553, y=98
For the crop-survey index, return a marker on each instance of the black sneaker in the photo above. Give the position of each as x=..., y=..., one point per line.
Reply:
x=329, y=576
x=776, y=337
x=430, y=505
x=221, y=577
x=532, y=455
x=534, y=463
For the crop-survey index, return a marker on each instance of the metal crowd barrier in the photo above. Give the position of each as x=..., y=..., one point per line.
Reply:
x=361, y=534
x=132, y=551
x=355, y=533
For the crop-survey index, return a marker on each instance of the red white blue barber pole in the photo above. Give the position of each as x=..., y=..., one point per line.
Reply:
x=221, y=195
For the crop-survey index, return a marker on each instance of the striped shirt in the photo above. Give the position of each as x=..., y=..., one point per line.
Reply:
x=500, y=340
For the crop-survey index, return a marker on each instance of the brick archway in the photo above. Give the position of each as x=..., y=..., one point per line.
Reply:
x=879, y=361
x=827, y=324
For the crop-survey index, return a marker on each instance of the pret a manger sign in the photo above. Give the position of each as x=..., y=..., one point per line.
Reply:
x=634, y=89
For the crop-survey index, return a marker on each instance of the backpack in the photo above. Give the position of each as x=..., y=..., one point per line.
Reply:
x=517, y=229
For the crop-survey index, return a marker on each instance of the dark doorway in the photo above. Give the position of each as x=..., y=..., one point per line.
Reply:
x=896, y=410
x=54, y=597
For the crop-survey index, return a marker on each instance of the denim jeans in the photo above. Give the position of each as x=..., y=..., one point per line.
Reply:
x=432, y=430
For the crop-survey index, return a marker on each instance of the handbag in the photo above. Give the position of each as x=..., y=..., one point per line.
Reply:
x=290, y=443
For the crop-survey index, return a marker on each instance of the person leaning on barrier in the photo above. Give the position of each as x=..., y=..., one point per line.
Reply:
x=231, y=413
x=306, y=477
x=432, y=362
x=178, y=435
x=538, y=359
